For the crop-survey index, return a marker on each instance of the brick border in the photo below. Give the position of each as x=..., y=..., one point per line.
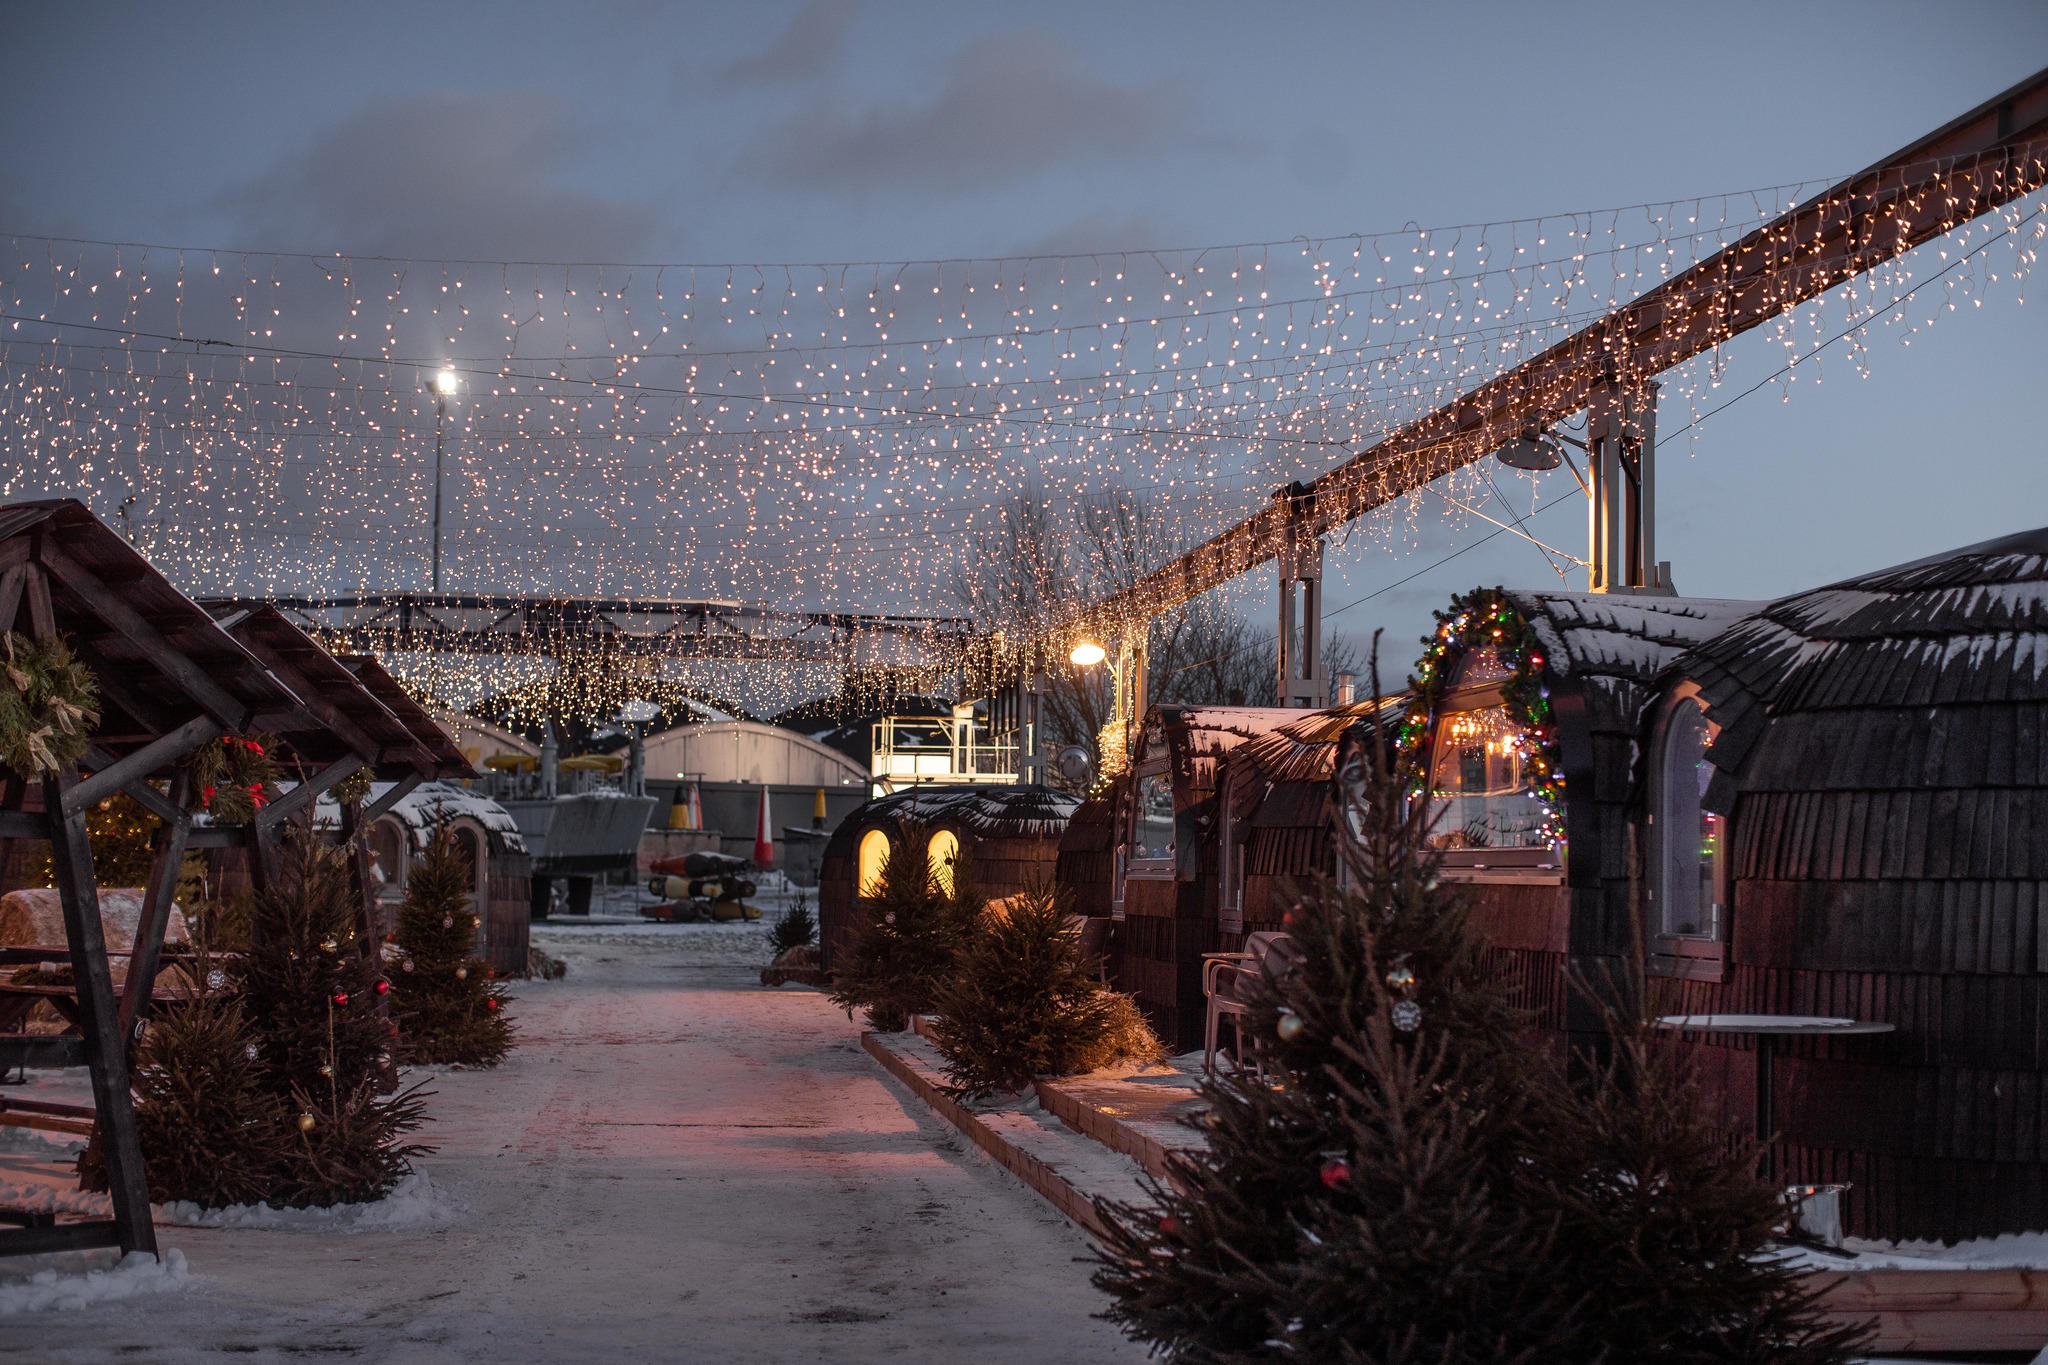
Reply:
x=1048, y=1183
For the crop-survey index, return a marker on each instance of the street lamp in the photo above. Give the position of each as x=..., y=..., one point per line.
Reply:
x=1087, y=654
x=445, y=384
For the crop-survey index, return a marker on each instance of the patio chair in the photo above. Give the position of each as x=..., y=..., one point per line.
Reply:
x=1227, y=980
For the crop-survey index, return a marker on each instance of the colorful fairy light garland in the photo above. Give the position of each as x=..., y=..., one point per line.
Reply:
x=1485, y=617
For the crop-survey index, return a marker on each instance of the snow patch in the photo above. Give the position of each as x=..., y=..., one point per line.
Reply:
x=414, y=1203
x=136, y=1273
x=2022, y=1250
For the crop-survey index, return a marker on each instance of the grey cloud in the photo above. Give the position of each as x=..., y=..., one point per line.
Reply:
x=443, y=175
x=1104, y=233
x=1011, y=107
x=808, y=49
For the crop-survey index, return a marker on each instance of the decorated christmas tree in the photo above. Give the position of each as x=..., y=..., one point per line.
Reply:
x=1022, y=1001
x=908, y=932
x=212, y=1130
x=1407, y=1178
x=448, y=1008
x=1380, y=1141
x=311, y=997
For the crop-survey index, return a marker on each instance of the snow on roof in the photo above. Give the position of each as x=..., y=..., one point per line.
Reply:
x=1030, y=811
x=1624, y=636
x=419, y=810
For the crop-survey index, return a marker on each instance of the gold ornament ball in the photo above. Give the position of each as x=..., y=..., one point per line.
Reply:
x=328, y=945
x=462, y=973
x=306, y=1122
x=1289, y=1028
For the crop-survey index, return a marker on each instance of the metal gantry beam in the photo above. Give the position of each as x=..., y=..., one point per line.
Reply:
x=1987, y=158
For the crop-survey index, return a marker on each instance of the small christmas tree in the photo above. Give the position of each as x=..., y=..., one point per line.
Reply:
x=211, y=1129
x=448, y=1008
x=1023, y=1002
x=1664, y=1224
x=311, y=999
x=797, y=929
x=906, y=938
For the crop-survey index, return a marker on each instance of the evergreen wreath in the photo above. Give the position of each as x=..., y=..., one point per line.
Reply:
x=49, y=704
x=236, y=777
x=1485, y=617
x=354, y=787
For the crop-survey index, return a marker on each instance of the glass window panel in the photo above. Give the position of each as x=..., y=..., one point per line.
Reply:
x=944, y=850
x=874, y=853
x=1153, y=837
x=387, y=854
x=1481, y=793
x=1690, y=838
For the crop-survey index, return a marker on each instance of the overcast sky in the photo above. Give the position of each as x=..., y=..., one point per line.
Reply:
x=830, y=132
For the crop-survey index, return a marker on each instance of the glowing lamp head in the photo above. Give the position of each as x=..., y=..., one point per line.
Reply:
x=1087, y=654
x=445, y=382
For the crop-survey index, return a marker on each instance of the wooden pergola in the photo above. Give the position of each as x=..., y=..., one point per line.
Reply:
x=171, y=679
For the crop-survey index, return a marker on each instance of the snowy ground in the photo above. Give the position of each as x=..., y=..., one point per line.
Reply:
x=676, y=1164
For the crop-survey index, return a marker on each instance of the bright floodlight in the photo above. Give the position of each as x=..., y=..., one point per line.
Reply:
x=1087, y=654
x=445, y=381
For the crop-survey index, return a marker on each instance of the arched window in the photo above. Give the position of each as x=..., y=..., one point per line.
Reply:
x=387, y=857
x=1688, y=841
x=1487, y=809
x=944, y=852
x=874, y=855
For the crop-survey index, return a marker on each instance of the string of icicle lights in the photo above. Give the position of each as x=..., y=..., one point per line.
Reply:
x=830, y=436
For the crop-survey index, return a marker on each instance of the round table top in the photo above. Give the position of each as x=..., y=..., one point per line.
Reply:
x=1788, y=1025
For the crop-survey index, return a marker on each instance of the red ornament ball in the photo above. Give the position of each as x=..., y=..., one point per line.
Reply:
x=490, y=1004
x=1169, y=1225
x=341, y=997
x=1335, y=1174
x=383, y=986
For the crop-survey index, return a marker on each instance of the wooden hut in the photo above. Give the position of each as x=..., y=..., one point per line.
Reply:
x=1164, y=883
x=1010, y=837
x=488, y=839
x=168, y=681
x=1526, y=709
x=1845, y=814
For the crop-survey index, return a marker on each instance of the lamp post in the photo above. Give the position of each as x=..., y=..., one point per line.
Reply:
x=444, y=386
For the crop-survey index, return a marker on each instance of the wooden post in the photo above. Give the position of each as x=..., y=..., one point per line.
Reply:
x=106, y=1051
x=157, y=899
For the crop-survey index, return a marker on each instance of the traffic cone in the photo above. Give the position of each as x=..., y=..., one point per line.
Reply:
x=764, y=836
x=818, y=810
x=696, y=807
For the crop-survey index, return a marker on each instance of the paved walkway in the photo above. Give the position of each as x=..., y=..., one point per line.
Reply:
x=676, y=1164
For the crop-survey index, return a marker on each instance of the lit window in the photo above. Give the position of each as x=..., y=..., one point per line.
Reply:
x=1482, y=793
x=944, y=851
x=1686, y=884
x=1152, y=823
x=874, y=855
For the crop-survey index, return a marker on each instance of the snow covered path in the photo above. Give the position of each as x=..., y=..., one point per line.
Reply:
x=675, y=1164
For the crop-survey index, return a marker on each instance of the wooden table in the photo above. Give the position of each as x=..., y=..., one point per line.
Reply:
x=1767, y=1029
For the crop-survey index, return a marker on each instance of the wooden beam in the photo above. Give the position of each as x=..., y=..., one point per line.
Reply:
x=215, y=836
x=157, y=900
x=63, y=1237
x=144, y=761
x=106, y=1050
x=162, y=655
x=399, y=791
x=307, y=792
x=321, y=709
x=11, y=583
x=1985, y=159
x=42, y=617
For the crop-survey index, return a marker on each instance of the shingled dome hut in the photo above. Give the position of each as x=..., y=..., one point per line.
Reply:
x=1009, y=837
x=1878, y=752
x=1525, y=709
